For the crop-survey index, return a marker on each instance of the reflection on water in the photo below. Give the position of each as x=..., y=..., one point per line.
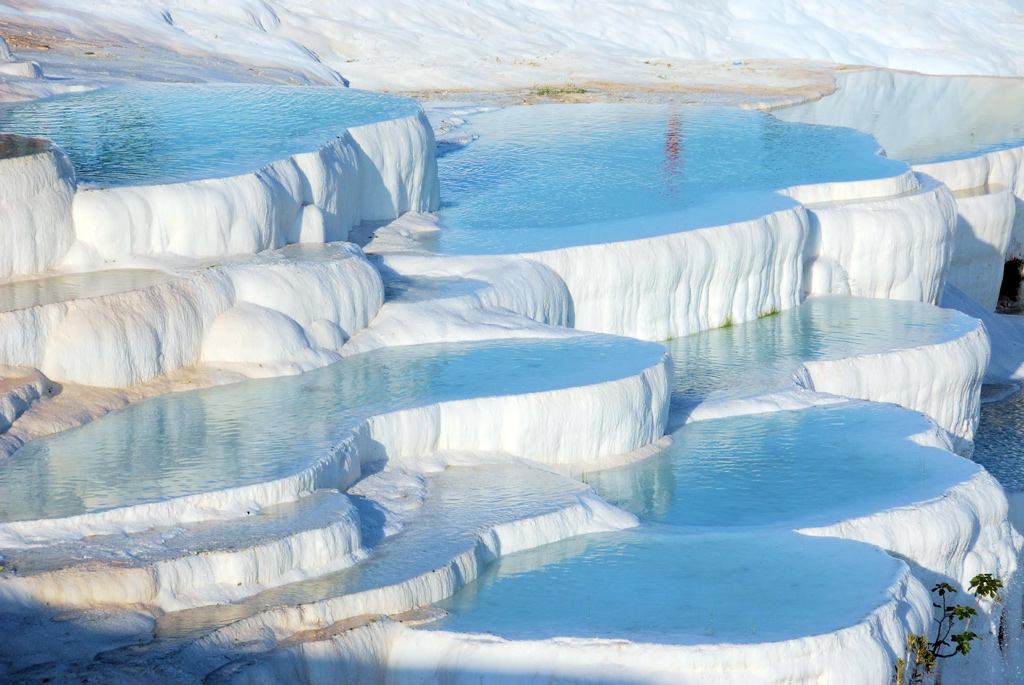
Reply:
x=175, y=132
x=256, y=431
x=550, y=176
x=674, y=165
x=762, y=355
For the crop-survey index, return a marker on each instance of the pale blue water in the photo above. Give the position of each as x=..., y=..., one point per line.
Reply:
x=551, y=176
x=715, y=558
x=762, y=355
x=169, y=133
x=650, y=585
x=256, y=431
x=796, y=468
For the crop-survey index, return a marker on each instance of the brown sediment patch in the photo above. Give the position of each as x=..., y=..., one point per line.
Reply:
x=12, y=146
x=749, y=84
x=20, y=37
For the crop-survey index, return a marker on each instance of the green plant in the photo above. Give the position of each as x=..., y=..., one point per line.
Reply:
x=568, y=89
x=922, y=656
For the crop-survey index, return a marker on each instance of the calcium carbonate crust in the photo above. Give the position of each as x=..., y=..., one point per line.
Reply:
x=385, y=651
x=370, y=173
x=300, y=310
x=766, y=261
x=553, y=427
x=35, y=214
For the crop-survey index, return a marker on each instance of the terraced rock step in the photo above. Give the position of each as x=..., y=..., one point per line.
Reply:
x=447, y=540
x=261, y=442
x=469, y=517
x=189, y=565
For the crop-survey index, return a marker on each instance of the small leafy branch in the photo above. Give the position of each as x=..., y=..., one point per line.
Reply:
x=923, y=656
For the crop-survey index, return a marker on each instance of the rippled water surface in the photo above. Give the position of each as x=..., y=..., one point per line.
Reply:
x=151, y=134
x=999, y=442
x=551, y=176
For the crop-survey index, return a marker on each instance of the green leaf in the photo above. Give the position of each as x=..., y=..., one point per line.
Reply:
x=963, y=641
x=985, y=585
x=963, y=613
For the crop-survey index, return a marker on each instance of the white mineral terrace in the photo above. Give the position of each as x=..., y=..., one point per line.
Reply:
x=321, y=418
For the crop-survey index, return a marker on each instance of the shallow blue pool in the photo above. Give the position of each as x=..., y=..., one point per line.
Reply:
x=762, y=355
x=649, y=585
x=715, y=558
x=552, y=176
x=48, y=289
x=794, y=469
x=256, y=431
x=169, y=133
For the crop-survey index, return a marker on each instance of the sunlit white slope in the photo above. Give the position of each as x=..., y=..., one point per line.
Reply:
x=37, y=184
x=299, y=309
x=404, y=44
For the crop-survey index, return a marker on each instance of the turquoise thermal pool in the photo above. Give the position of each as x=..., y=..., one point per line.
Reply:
x=803, y=468
x=256, y=431
x=733, y=491
x=656, y=586
x=173, y=133
x=715, y=558
x=554, y=176
x=762, y=355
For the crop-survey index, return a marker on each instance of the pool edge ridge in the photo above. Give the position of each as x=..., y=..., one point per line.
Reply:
x=371, y=172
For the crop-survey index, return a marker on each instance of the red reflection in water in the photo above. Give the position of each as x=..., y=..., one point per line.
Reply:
x=672, y=167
